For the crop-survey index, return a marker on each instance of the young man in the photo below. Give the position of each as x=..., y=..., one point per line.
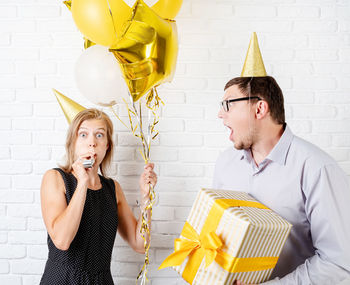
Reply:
x=292, y=177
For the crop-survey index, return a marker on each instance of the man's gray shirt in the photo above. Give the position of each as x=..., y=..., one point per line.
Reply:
x=305, y=186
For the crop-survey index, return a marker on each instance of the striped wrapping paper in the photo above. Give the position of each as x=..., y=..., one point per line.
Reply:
x=244, y=231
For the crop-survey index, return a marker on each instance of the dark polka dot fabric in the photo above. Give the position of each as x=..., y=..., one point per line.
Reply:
x=88, y=259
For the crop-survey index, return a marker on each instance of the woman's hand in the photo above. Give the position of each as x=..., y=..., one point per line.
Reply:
x=79, y=170
x=128, y=227
x=147, y=177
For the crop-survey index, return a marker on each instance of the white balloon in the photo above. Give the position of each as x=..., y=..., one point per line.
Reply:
x=99, y=78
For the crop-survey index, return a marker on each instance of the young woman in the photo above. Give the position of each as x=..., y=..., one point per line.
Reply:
x=82, y=209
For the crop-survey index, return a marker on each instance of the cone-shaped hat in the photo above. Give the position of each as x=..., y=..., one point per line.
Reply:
x=69, y=107
x=253, y=64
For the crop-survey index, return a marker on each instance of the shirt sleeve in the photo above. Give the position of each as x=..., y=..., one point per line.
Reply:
x=327, y=205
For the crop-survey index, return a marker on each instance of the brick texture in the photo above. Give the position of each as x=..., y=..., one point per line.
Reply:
x=305, y=46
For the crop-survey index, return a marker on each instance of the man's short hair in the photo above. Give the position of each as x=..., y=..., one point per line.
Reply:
x=267, y=89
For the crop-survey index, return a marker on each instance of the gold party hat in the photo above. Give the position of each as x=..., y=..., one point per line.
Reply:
x=253, y=64
x=69, y=107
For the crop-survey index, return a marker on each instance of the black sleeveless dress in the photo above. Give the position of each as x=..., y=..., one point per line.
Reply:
x=88, y=259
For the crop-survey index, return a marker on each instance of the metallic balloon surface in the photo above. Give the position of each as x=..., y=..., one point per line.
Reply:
x=100, y=20
x=147, y=50
x=167, y=8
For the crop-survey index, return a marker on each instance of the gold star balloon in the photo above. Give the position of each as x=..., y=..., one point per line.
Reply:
x=102, y=21
x=167, y=8
x=253, y=64
x=147, y=50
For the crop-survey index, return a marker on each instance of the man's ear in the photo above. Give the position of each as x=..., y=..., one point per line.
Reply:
x=262, y=109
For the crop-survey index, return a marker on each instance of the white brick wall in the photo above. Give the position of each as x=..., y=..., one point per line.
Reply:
x=305, y=45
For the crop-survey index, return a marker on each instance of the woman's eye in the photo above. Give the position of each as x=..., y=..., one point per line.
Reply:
x=99, y=135
x=82, y=135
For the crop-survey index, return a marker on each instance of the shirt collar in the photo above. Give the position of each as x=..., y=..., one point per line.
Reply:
x=246, y=154
x=279, y=151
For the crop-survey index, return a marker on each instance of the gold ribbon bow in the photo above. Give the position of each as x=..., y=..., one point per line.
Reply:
x=207, y=244
x=193, y=244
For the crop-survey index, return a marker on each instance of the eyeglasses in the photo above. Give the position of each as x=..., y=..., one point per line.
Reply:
x=225, y=105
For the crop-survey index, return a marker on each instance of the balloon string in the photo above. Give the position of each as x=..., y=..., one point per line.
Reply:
x=138, y=115
x=115, y=114
x=145, y=229
x=153, y=103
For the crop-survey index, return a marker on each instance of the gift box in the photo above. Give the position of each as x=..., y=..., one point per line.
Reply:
x=228, y=236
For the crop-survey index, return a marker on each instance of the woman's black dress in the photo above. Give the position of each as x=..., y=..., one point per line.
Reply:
x=88, y=259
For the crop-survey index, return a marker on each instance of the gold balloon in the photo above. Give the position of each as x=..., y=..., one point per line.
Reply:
x=94, y=21
x=121, y=13
x=253, y=64
x=101, y=21
x=147, y=50
x=87, y=42
x=167, y=8
x=69, y=107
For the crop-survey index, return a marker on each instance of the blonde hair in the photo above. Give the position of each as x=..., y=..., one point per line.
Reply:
x=72, y=133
